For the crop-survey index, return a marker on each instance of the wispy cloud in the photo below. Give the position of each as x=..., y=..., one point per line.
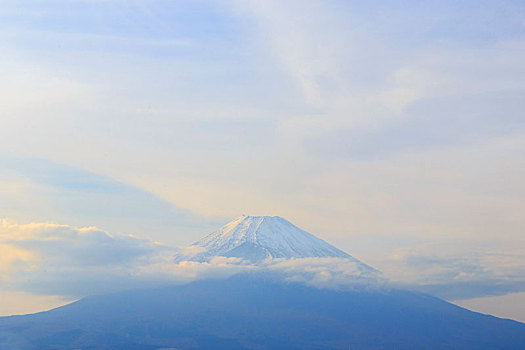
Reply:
x=45, y=190
x=453, y=271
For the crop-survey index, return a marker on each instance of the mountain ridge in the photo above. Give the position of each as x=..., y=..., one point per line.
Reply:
x=252, y=312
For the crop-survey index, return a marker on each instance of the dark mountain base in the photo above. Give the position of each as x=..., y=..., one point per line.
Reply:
x=247, y=312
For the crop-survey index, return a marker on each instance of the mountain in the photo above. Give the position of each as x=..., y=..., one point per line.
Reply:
x=269, y=307
x=256, y=311
x=256, y=238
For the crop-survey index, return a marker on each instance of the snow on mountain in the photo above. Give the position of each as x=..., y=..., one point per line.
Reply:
x=256, y=238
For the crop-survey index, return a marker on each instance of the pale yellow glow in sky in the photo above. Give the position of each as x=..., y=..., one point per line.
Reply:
x=506, y=306
x=18, y=303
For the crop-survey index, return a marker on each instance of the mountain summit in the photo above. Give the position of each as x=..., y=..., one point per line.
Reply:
x=256, y=238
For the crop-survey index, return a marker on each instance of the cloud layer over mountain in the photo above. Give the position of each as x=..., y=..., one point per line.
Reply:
x=48, y=258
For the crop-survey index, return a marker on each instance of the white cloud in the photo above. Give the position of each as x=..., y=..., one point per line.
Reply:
x=334, y=273
x=457, y=270
x=48, y=258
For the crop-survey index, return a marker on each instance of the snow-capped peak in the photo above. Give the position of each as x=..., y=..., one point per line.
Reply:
x=256, y=238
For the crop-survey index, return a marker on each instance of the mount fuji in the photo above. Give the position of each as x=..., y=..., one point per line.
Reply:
x=259, y=309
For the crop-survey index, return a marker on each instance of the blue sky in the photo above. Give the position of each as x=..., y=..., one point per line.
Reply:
x=395, y=131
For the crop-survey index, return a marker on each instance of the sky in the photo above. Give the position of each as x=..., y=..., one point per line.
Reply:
x=393, y=130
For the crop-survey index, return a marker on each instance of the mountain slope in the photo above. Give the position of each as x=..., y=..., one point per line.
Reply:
x=256, y=238
x=258, y=312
